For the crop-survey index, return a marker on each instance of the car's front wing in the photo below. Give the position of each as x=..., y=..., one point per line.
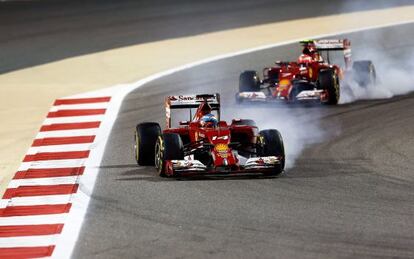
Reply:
x=195, y=167
x=304, y=96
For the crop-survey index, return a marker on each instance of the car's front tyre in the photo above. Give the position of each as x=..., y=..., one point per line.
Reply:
x=328, y=80
x=169, y=146
x=146, y=135
x=249, y=81
x=271, y=144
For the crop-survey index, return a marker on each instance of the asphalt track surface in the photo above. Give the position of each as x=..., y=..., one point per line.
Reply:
x=350, y=196
x=41, y=31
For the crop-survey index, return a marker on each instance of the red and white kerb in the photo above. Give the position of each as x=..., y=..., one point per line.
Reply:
x=39, y=197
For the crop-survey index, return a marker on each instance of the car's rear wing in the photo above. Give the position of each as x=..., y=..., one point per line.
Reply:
x=332, y=45
x=190, y=102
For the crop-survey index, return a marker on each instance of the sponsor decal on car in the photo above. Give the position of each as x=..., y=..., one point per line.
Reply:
x=222, y=150
x=252, y=95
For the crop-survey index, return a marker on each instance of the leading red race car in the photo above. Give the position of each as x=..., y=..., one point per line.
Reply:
x=311, y=78
x=207, y=145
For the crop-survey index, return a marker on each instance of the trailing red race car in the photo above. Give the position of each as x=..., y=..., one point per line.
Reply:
x=207, y=145
x=312, y=78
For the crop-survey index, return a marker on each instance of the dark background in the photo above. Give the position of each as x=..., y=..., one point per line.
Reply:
x=37, y=32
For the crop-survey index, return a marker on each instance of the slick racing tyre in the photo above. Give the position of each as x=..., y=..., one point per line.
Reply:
x=249, y=81
x=146, y=135
x=169, y=146
x=328, y=80
x=364, y=73
x=271, y=144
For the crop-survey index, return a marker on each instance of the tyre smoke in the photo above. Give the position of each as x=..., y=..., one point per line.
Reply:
x=299, y=127
x=392, y=80
x=393, y=61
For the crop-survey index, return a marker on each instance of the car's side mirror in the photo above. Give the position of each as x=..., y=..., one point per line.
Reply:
x=184, y=123
x=235, y=121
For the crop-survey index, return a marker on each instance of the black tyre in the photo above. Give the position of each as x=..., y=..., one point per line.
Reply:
x=169, y=146
x=364, y=73
x=271, y=144
x=328, y=80
x=146, y=135
x=249, y=81
x=245, y=122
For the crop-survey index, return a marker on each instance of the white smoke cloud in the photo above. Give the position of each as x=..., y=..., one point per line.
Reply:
x=299, y=127
x=391, y=81
x=394, y=68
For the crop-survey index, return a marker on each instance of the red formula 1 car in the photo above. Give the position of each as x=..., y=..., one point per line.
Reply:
x=207, y=145
x=312, y=78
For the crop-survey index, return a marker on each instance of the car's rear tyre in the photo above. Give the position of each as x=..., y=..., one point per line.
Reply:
x=169, y=146
x=328, y=81
x=249, y=81
x=146, y=135
x=364, y=73
x=271, y=144
x=245, y=122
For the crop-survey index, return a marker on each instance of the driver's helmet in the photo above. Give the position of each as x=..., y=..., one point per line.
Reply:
x=309, y=54
x=209, y=121
x=307, y=51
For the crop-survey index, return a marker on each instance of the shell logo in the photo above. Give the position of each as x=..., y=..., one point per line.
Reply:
x=222, y=150
x=221, y=147
x=283, y=84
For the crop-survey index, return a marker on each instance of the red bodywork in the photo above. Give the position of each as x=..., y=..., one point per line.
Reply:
x=219, y=136
x=280, y=79
x=220, y=143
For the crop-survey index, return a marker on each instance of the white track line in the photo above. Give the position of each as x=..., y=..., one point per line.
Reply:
x=59, y=148
x=73, y=119
x=33, y=220
x=28, y=241
x=64, y=163
x=79, y=106
x=43, y=181
x=67, y=133
x=40, y=200
x=3, y=204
